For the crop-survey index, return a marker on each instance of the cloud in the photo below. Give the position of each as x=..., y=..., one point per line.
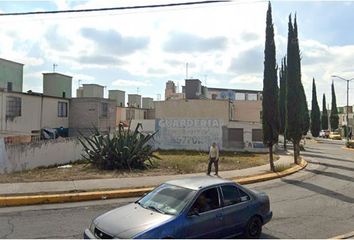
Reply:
x=130, y=83
x=249, y=61
x=57, y=41
x=180, y=42
x=112, y=42
x=99, y=60
x=249, y=36
x=157, y=71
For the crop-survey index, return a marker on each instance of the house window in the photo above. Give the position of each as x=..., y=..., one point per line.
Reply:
x=257, y=135
x=13, y=106
x=235, y=135
x=62, y=109
x=9, y=86
x=240, y=96
x=252, y=97
x=104, y=109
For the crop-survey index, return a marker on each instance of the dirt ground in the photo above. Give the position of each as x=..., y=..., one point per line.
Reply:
x=171, y=162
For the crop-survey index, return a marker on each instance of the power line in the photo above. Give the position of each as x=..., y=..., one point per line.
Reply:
x=114, y=8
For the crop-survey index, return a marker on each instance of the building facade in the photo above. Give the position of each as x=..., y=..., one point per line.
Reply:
x=90, y=91
x=11, y=77
x=27, y=114
x=57, y=85
x=134, y=100
x=87, y=113
x=118, y=96
x=195, y=124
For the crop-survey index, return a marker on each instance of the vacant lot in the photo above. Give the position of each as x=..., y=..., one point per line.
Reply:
x=171, y=162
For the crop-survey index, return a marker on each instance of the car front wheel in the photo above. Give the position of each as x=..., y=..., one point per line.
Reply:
x=253, y=228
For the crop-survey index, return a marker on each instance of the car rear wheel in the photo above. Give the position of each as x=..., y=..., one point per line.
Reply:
x=253, y=228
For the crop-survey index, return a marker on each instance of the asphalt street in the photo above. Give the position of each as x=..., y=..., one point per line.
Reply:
x=317, y=202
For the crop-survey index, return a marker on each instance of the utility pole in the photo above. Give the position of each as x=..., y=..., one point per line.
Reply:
x=54, y=66
x=347, y=117
x=186, y=70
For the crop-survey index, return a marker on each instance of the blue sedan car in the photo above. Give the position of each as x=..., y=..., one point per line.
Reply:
x=197, y=207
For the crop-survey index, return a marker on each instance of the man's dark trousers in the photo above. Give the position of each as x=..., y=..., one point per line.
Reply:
x=216, y=165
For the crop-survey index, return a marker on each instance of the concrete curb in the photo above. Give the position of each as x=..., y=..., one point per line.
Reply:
x=348, y=149
x=344, y=236
x=7, y=201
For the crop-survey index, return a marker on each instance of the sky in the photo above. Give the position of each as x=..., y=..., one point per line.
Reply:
x=138, y=51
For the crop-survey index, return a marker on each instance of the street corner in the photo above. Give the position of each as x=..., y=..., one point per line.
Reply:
x=348, y=149
x=349, y=235
x=271, y=176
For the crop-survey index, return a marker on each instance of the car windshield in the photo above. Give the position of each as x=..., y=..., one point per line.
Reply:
x=167, y=199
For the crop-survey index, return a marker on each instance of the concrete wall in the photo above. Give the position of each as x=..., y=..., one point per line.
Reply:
x=86, y=113
x=193, y=109
x=188, y=134
x=121, y=115
x=118, y=96
x=149, y=125
x=36, y=112
x=93, y=91
x=50, y=113
x=147, y=103
x=247, y=111
x=11, y=72
x=248, y=143
x=55, y=84
x=134, y=100
x=20, y=157
x=193, y=88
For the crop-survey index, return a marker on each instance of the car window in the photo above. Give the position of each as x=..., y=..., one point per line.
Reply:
x=233, y=195
x=206, y=201
x=167, y=199
x=243, y=196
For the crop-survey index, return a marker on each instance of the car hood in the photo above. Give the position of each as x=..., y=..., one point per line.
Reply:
x=129, y=220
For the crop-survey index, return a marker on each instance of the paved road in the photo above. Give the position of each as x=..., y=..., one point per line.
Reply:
x=316, y=203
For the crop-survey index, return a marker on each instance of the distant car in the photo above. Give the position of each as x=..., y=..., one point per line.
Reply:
x=197, y=207
x=335, y=136
x=324, y=133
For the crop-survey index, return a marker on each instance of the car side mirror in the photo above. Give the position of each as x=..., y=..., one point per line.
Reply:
x=193, y=212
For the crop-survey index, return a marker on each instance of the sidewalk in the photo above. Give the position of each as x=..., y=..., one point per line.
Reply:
x=124, y=183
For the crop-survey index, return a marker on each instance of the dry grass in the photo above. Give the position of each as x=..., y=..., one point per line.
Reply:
x=171, y=162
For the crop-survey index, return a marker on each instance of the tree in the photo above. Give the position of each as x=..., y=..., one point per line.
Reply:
x=315, y=113
x=324, y=117
x=306, y=114
x=295, y=109
x=270, y=120
x=282, y=100
x=334, y=119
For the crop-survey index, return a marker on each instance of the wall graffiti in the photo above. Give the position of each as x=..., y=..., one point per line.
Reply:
x=189, y=134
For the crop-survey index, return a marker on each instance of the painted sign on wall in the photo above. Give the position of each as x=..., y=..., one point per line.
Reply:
x=189, y=134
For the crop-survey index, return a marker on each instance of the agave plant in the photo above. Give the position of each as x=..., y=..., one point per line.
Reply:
x=125, y=149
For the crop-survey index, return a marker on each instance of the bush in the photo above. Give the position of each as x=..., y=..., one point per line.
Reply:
x=350, y=144
x=125, y=149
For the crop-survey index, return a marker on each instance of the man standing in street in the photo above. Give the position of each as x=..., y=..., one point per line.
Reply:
x=213, y=158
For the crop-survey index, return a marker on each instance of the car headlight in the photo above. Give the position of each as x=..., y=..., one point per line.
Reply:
x=92, y=227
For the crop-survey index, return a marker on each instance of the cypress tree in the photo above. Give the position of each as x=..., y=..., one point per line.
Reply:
x=282, y=100
x=295, y=109
x=315, y=113
x=324, y=117
x=282, y=96
x=305, y=110
x=270, y=120
x=334, y=118
x=306, y=114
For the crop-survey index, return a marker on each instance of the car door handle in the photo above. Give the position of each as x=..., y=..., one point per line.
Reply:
x=219, y=215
